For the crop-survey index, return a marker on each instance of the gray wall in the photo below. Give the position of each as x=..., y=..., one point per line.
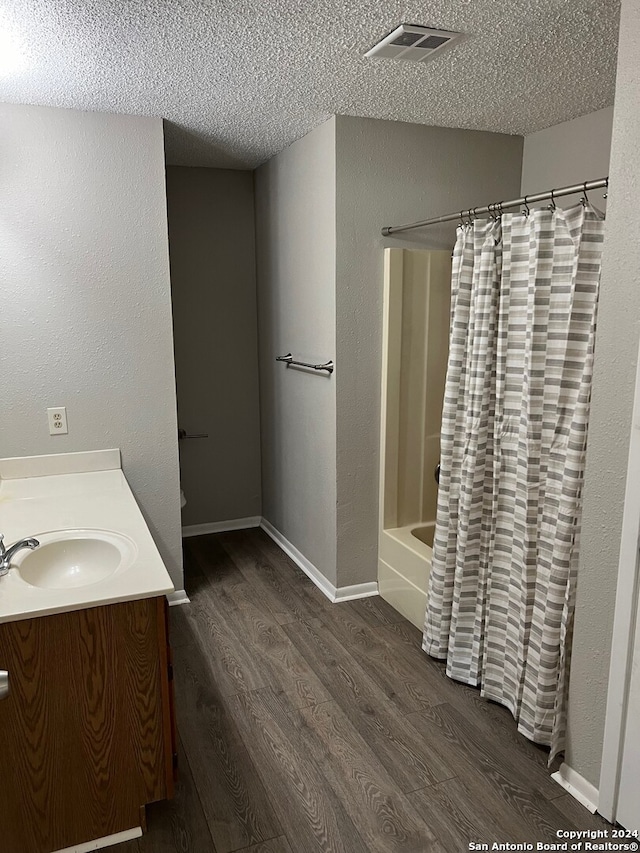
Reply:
x=213, y=284
x=569, y=153
x=611, y=413
x=85, y=300
x=296, y=264
x=390, y=173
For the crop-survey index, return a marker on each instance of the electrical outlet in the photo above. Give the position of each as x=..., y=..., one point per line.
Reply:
x=57, y=421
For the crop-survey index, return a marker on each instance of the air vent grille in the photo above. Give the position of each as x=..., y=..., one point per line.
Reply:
x=413, y=43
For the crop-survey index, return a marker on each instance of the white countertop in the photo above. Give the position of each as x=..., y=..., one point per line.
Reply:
x=33, y=505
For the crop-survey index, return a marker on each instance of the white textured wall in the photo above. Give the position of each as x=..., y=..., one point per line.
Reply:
x=390, y=173
x=296, y=267
x=213, y=285
x=85, y=301
x=610, y=424
x=569, y=153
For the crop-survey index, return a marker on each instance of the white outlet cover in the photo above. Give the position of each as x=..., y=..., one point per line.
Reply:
x=57, y=420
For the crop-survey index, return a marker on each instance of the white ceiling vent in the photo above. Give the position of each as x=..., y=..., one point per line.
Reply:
x=413, y=43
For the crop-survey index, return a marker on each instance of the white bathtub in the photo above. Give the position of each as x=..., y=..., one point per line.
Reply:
x=404, y=564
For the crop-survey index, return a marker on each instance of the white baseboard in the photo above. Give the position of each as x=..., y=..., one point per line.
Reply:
x=105, y=841
x=221, y=526
x=345, y=593
x=300, y=560
x=179, y=596
x=576, y=785
x=356, y=590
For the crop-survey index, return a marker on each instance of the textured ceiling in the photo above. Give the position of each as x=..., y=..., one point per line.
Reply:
x=239, y=81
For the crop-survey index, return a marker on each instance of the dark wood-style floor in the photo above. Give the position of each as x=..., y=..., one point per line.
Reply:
x=311, y=726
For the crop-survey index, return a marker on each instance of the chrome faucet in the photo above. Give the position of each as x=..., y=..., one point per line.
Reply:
x=7, y=554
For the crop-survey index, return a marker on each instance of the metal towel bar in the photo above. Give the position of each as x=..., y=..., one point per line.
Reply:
x=182, y=435
x=289, y=359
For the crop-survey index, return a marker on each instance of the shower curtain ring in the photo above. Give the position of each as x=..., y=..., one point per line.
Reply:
x=584, y=201
x=552, y=206
x=527, y=211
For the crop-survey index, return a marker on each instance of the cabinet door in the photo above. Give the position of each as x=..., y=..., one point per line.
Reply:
x=83, y=730
x=168, y=699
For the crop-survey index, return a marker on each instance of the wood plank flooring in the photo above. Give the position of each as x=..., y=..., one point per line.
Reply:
x=311, y=727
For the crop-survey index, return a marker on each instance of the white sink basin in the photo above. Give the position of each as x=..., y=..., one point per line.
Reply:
x=72, y=558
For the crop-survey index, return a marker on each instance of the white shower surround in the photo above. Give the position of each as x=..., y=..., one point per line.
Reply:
x=414, y=355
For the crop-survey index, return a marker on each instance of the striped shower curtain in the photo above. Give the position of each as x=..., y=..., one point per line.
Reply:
x=514, y=431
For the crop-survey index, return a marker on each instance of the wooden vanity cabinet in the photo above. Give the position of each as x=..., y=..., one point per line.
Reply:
x=87, y=735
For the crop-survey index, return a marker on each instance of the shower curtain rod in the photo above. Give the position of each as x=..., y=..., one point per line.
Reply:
x=498, y=206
